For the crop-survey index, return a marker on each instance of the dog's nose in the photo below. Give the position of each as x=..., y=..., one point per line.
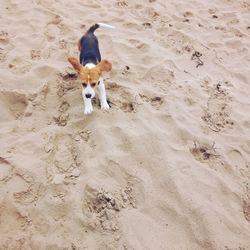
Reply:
x=88, y=95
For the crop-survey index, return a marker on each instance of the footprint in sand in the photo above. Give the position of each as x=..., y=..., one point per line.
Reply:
x=35, y=54
x=217, y=112
x=143, y=47
x=239, y=163
x=31, y=190
x=15, y=104
x=204, y=153
x=150, y=13
x=160, y=77
x=2, y=55
x=83, y=135
x=147, y=25
x=126, y=70
x=63, y=44
x=6, y=170
x=4, y=36
x=237, y=159
x=121, y=98
x=208, y=154
x=246, y=203
x=4, y=40
x=54, y=28
x=105, y=206
x=23, y=188
x=12, y=218
x=20, y=68
x=67, y=81
x=64, y=106
x=127, y=107
x=61, y=119
x=63, y=159
x=156, y=101
x=37, y=100
x=122, y=3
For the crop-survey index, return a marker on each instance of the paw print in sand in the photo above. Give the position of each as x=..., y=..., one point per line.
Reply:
x=35, y=54
x=156, y=101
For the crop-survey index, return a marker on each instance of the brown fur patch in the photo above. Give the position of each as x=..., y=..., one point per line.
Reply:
x=76, y=65
x=90, y=75
x=105, y=65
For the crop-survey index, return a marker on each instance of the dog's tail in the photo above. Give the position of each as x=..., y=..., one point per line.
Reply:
x=98, y=25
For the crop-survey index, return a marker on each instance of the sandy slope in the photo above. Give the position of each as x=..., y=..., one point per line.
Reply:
x=167, y=167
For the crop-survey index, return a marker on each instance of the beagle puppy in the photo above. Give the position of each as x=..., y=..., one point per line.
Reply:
x=90, y=68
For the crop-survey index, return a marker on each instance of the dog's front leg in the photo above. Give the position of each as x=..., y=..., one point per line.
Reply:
x=88, y=108
x=102, y=92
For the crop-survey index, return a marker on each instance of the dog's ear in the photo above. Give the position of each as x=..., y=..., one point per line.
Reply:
x=79, y=45
x=76, y=65
x=104, y=65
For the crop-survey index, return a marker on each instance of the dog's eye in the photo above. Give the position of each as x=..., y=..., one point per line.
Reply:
x=93, y=84
x=84, y=84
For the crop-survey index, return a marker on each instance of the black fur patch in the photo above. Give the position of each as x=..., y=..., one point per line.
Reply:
x=90, y=52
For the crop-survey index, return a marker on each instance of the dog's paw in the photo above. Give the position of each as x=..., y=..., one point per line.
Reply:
x=104, y=106
x=88, y=110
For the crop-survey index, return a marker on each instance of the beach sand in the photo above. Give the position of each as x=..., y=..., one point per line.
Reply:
x=167, y=167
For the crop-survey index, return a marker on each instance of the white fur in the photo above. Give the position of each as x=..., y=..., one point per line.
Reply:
x=104, y=25
x=90, y=65
x=88, y=108
x=89, y=89
x=102, y=93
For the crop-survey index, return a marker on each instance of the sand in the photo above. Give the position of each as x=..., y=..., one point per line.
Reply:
x=167, y=167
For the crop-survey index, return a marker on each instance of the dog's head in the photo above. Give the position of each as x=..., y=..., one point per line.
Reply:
x=89, y=77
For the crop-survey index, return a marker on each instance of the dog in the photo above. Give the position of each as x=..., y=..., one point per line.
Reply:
x=90, y=68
